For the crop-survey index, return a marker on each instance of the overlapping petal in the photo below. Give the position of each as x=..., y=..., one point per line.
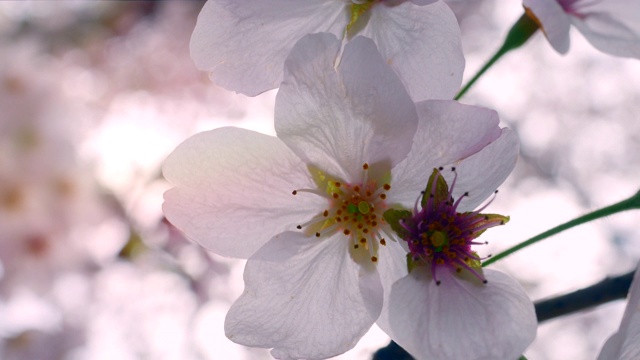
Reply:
x=233, y=190
x=359, y=113
x=482, y=173
x=611, y=26
x=339, y=106
x=554, y=22
x=625, y=344
x=461, y=319
x=447, y=133
x=392, y=267
x=423, y=2
x=243, y=43
x=305, y=297
x=422, y=44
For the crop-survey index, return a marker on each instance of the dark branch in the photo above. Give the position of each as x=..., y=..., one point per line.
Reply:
x=392, y=351
x=606, y=290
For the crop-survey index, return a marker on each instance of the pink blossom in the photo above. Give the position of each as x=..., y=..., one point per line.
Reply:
x=611, y=26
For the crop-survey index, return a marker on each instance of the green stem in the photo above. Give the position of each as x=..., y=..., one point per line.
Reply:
x=520, y=32
x=628, y=204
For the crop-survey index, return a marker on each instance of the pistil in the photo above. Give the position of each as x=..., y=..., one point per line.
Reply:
x=438, y=235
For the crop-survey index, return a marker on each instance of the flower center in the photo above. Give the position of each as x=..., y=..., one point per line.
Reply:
x=358, y=16
x=355, y=210
x=440, y=237
x=577, y=7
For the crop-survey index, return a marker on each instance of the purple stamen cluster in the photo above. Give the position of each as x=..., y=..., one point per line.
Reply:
x=440, y=237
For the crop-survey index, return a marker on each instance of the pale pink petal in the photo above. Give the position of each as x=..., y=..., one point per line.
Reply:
x=392, y=266
x=447, y=132
x=610, y=44
x=340, y=120
x=233, y=190
x=633, y=305
x=461, y=319
x=611, y=26
x=244, y=43
x=422, y=44
x=630, y=349
x=625, y=344
x=482, y=173
x=611, y=349
x=305, y=297
x=554, y=21
x=423, y=2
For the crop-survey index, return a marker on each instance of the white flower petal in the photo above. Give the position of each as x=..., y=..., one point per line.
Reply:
x=624, y=344
x=482, y=173
x=339, y=121
x=305, y=297
x=233, y=190
x=422, y=44
x=630, y=349
x=423, y=2
x=447, y=132
x=611, y=348
x=460, y=319
x=633, y=305
x=392, y=266
x=554, y=21
x=611, y=26
x=243, y=43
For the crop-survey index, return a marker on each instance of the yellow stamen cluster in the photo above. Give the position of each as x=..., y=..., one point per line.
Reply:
x=355, y=210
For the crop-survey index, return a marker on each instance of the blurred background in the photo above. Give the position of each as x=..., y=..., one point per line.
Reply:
x=94, y=95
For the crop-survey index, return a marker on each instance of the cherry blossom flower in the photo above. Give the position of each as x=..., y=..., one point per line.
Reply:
x=244, y=43
x=306, y=207
x=611, y=26
x=448, y=307
x=624, y=345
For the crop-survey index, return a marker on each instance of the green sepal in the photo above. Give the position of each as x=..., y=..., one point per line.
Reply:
x=393, y=217
x=318, y=176
x=491, y=218
x=134, y=246
x=356, y=11
x=475, y=264
x=501, y=219
x=521, y=31
x=467, y=275
x=323, y=180
x=442, y=189
x=411, y=263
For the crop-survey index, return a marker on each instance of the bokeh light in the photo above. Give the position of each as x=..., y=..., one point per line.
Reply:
x=94, y=96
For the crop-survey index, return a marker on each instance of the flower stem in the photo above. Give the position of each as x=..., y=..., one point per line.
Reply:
x=520, y=32
x=628, y=204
